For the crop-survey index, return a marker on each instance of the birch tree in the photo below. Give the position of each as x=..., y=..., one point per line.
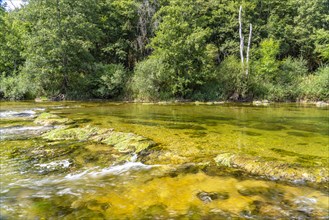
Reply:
x=243, y=64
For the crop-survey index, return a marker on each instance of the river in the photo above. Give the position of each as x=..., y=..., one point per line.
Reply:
x=193, y=161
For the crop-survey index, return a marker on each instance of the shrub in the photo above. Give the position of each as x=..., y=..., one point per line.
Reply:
x=150, y=80
x=291, y=70
x=231, y=80
x=16, y=86
x=283, y=85
x=315, y=87
x=109, y=81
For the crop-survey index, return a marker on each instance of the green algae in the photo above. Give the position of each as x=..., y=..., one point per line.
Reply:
x=273, y=169
x=306, y=160
x=128, y=142
x=299, y=134
x=71, y=134
x=249, y=133
x=47, y=119
x=123, y=142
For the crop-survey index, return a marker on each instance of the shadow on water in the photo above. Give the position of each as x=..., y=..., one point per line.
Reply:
x=138, y=122
x=167, y=125
x=302, y=158
x=82, y=120
x=249, y=133
x=197, y=134
x=268, y=126
x=299, y=134
x=184, y=127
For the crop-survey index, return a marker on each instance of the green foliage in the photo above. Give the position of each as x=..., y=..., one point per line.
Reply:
x=150, y=81
x=291, y=70
x=322, y=44
x=267, y=63
x=11, y=40
x=16, y=86
x=283, y=86
x=310, y=17
x=182, y=43
x=316, y=86
x=118, y=24
x=110, y=80
x=167, y=49
x=61, y=36
x=230, y=78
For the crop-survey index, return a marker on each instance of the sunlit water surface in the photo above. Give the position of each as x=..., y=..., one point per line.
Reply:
x=167, y=186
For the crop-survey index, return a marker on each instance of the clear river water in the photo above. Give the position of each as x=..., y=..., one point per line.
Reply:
x=209, y=161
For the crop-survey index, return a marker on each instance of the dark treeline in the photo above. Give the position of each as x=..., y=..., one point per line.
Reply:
x=165, y=49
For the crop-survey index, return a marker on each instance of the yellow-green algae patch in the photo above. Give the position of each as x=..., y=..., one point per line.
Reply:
x=274, y=169
x=48, y=119
x=71, y=133
x=186, y=195
x=123, y=142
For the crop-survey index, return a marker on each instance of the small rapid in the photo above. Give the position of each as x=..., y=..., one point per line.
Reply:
x=22, y=132
x=30, y=113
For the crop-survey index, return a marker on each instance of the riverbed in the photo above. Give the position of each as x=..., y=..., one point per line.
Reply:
x=201, y=161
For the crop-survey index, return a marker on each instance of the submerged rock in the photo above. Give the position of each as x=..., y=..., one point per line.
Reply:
x=274, y=169
x=128, y=142
x=321, y=104
x=71, y=134
x=207, y=197
x=122, y=142
x=48, y=119
x=261, y=103
x=22, y=132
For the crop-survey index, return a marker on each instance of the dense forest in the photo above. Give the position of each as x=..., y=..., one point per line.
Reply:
x=153, y=50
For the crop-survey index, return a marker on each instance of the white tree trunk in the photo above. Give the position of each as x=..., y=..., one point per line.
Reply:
x=248, y=49
x=241, y=37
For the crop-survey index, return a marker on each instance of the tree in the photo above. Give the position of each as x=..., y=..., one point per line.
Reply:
x=182, y=43
x=11, y=38
x=310, y=17
x=267, y=64
x=59, y=43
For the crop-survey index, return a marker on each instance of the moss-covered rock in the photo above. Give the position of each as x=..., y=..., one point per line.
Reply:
x=71, y=133
x=120, y=141
x=128, y=142
x=273, y=169
x=48, y=119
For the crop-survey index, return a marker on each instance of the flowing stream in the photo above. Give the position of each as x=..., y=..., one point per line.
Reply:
x=209, y=161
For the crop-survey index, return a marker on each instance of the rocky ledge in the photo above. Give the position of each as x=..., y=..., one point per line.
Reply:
x=274, y=170
x=120, y=141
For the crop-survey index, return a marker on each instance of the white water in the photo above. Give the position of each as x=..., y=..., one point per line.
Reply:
x=22, y=114
x=59, y=182
x=54, y=164
x=112, y=170
x=20, y=132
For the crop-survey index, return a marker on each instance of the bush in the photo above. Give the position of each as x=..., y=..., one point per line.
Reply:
x=150, y=80
x=16, y=86
x=283, y=85
x=110, y=80
x=315, y=87
x=231, y=80
x=291, y=70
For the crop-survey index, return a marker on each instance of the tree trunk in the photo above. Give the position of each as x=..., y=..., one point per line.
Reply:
x=241, y=37
x=248, y=49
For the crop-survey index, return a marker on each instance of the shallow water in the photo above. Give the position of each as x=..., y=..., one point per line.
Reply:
x=176, y=180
